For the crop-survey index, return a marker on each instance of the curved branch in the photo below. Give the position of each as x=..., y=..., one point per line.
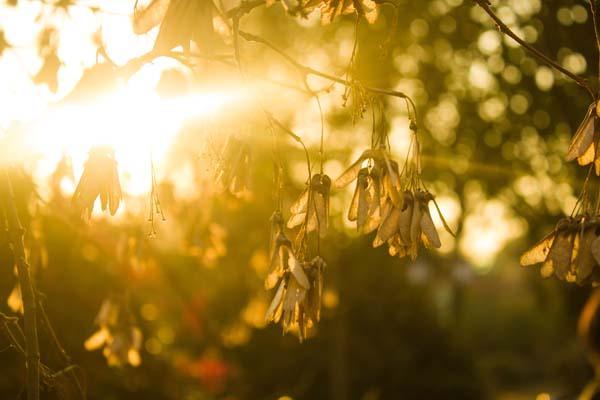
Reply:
x=485, y=5
x=311, y=71
x=594, y=10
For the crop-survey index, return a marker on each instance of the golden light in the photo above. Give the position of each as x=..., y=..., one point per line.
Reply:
x=133, y=120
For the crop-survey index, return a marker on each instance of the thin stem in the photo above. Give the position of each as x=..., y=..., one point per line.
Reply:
x=594, y=10
x=16, y=233
x=311, y=71
x=547, y=60
x=61, y=351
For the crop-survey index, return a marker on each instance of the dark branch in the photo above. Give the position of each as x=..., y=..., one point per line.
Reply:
x=485, y=5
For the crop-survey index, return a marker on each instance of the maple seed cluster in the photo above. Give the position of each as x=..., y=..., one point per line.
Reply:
x=571, y=251
x=297, y=301
x=401, y=217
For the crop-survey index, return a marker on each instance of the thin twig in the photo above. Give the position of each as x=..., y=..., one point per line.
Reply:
x=16, y=233
x=65, y=359
x=594, y=10
x=547, y=60
x=311, y=71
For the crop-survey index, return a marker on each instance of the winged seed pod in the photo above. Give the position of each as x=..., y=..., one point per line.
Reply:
x=100, y=178
x=297, y=301
x=584, y=144
x=405, y=227
x=120, y=339
x=282, y=258
x=571, y=251
x=376, y=183
x=314, y=200
x=365, y=207
x=232, y=170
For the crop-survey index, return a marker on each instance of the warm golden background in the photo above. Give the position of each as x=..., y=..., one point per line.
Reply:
x=464, y=322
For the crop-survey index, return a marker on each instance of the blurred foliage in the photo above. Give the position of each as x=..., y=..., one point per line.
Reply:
x=495, y=128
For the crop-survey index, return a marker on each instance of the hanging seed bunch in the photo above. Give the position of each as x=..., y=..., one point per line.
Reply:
x=376, y=185
x=584, y=145
x=119, y=337
x=297, y=301
x=311, y=209
x=394, y=203
x=407, y=223
x=297, y=276
x=571, y=251
x=232, y=172
x=100, y=178
x=298, y=296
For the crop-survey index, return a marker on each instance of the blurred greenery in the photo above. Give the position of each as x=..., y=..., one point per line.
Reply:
x=465, y=323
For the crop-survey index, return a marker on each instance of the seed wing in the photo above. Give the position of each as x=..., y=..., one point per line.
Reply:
x=428, y=229
x=388, y=227
x=274, y=311
x=585, y=261
x=584, y=136
x=298, y=272
x=539, y=252
x=561, y=253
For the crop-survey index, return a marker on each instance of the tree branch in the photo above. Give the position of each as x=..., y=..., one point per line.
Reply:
x=485, y=5
x=15, y=232
x=311, y=71
x=594, y=10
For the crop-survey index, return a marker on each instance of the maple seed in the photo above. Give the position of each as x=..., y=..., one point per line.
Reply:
x=584, y=145
x=297, y=300
x=232, y=171
x=571, y=251
x=100, y=178
x=312, y=207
